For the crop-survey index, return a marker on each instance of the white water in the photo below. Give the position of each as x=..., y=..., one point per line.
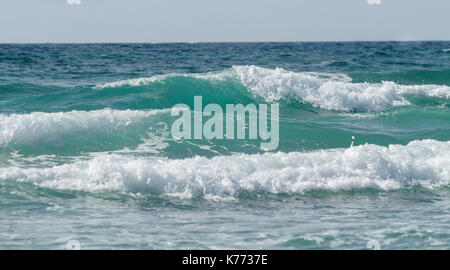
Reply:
x=327, y=91
x=40, y=126
x=425, y=163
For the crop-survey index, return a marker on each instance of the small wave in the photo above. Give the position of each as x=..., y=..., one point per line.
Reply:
x=212, y=76
x=424, y=163
x=327, y=91
x=41, y=126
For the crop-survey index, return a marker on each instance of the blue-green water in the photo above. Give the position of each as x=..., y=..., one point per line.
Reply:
x=86, y=151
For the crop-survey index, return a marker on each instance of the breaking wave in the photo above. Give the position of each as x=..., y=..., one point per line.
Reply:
x=42, y=126
x=423, y=163
x=327, y=91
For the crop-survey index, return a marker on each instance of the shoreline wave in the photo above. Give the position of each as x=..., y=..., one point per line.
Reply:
x=423, y=163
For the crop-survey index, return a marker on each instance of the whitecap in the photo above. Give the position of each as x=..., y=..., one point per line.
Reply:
x=424, y=163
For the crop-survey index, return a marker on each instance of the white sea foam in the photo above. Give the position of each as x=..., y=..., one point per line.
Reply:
x=327, y=91
x=425, y=163
x=41, y=126
x=331, y=93
x=133, y=82
x=212, y=76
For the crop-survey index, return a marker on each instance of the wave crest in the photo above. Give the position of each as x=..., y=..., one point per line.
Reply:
x=327, y=91
x=425, y=163
x=41, y=126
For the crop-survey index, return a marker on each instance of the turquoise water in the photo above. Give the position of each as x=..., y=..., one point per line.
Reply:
x=86, y=152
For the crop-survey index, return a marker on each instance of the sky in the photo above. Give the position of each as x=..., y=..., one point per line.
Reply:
x=84, y=21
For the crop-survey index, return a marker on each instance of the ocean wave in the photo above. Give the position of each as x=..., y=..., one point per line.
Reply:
x=212, y=76
x=423, y=163
x=327, y=91
x=406, y=77
x=332, y=94
x=42, y=126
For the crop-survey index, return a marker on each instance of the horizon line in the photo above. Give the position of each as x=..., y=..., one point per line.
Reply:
x=210, y=42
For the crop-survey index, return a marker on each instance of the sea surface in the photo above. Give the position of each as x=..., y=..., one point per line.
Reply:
x=87, y=158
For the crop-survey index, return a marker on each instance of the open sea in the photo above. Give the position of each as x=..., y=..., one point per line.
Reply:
x=87, y=158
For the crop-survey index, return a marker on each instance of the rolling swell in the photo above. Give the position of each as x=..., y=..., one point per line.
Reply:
x=317, y=110
x=240, y=84
x=322, y=90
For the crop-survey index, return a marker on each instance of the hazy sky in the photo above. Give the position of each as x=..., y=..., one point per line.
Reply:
x=222, y=20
